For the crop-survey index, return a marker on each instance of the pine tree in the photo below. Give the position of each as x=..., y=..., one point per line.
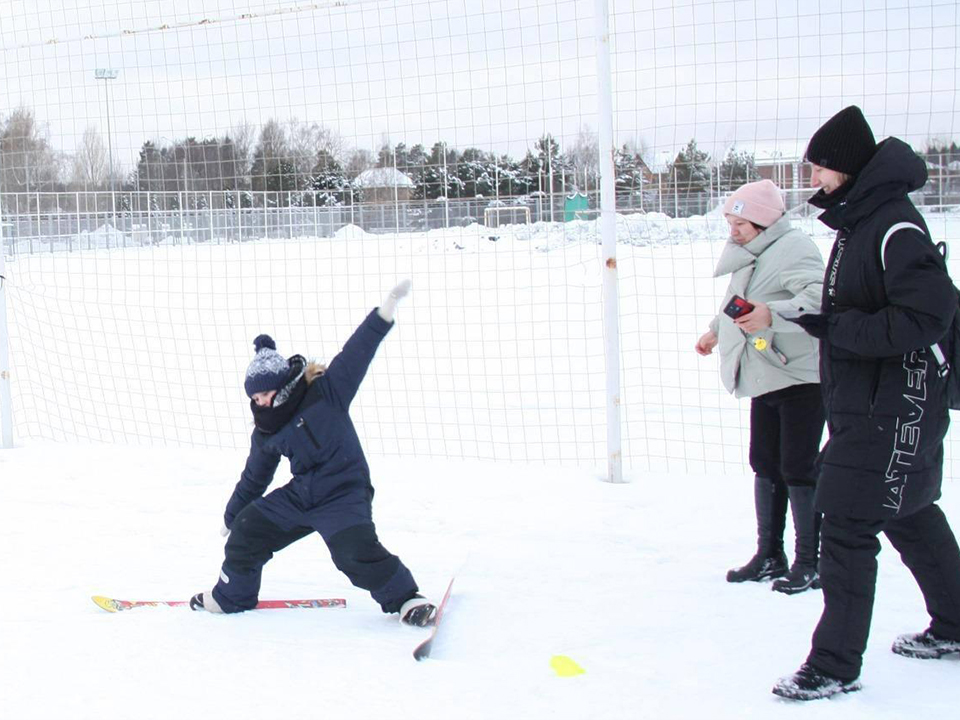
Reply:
x=547, y=163
x=439, y=177
x=512, y=178
x=737, y=168
x=630, y=171
x=329, y=181
x=149, y=169
x=475, y=170
x=689, y=180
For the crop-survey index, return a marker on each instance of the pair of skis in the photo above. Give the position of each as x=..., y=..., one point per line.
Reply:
x=421, y=652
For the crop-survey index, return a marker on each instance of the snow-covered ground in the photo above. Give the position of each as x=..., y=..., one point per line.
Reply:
x=496, y=358
x=626, y=580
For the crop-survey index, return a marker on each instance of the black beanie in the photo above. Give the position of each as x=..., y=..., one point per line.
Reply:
x=843, y=143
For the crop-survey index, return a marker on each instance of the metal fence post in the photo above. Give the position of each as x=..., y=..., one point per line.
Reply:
x=39, y=229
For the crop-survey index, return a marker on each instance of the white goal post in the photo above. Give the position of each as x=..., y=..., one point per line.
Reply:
x=499, y=215
x=6, y=409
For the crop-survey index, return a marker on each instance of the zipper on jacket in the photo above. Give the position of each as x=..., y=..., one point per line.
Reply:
x=309, y=432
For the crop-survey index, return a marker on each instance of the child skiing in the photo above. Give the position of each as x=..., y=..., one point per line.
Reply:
x=300, y=411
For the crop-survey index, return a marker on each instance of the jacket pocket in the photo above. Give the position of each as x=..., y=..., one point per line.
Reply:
x=780, y=356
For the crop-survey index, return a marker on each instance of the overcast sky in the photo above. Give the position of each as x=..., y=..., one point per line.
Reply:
x=496, y=74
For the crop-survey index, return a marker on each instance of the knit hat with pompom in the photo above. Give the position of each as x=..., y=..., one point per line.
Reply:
x=268, y=370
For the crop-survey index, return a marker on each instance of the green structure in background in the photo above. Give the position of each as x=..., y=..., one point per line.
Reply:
x=575, y=207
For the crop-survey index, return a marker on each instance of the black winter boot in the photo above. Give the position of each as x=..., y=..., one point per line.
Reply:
x=803, y=574
x=770, y=499
x=925, y=646
x=809, y=683
x=418, y=611
x=205, y=601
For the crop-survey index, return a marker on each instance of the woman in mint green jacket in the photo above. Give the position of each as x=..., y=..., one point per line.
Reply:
x=779, y=271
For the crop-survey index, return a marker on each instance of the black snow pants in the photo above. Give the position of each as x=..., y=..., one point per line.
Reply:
x=355, y=550
x=785, y=431
x=848, y=573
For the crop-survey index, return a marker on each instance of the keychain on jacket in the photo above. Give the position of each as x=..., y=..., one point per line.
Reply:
x=761, y=345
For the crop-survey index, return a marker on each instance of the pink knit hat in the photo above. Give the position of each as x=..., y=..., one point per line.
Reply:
x=759, y=202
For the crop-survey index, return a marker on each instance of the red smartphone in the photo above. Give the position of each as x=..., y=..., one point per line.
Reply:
x=737, y=307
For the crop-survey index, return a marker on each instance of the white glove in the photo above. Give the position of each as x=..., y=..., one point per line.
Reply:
x=224, y=530
x=389, y=305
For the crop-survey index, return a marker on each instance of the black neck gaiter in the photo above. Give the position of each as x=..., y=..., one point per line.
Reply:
x=270, y=419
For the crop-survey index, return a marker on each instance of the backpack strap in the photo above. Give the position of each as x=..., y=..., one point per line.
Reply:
x=943, y=365
x=893, y=229
x=944, y=250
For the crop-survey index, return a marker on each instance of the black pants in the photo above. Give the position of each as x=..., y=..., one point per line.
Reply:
x=848, y=572
x=785, y=431
x=356, y=551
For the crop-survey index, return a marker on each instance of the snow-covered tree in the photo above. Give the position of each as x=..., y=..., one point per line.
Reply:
x=439, y=177
x=543, y=163
x=633, y=178
x=512, y=177
x=737, y=168
x=689, y=179
x=330, y=183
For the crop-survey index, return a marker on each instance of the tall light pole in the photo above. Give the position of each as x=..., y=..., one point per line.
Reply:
x=106, y=74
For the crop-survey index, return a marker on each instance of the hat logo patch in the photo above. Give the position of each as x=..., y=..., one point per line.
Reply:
x=737, y=207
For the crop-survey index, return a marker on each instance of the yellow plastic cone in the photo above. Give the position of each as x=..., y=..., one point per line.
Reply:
x=565, y=667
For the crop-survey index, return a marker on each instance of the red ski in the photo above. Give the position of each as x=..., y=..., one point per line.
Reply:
x=114, y=605
x=422, y=651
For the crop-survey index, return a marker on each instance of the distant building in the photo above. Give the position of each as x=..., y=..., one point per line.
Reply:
x=791, y=175
x=385, y=185
x=661, y=165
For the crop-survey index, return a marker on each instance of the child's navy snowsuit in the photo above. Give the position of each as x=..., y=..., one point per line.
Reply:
x=330, y=491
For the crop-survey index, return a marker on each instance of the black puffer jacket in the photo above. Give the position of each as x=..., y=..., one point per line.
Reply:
x=886, y=411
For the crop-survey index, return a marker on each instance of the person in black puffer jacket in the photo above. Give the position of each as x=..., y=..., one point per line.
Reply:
x=301, y=411
x=887, y=298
